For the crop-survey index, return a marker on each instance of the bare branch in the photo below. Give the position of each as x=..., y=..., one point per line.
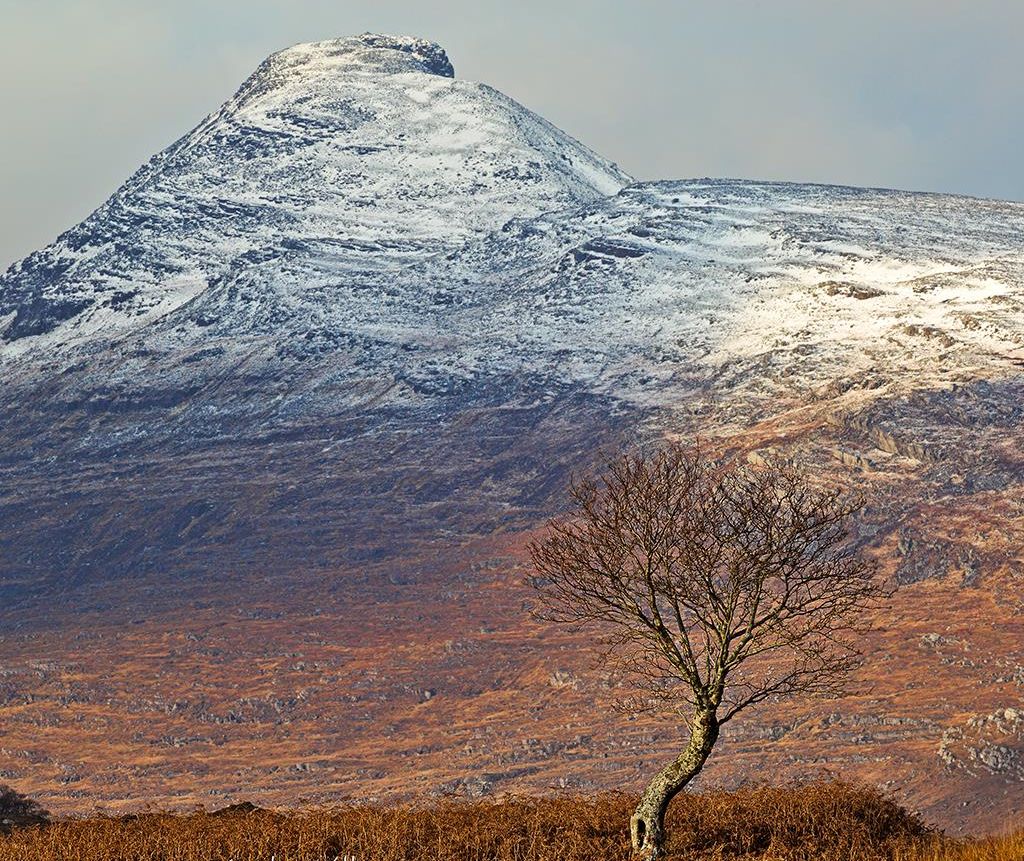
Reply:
x=713, y=583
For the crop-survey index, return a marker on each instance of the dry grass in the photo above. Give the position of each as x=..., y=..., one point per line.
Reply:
x=831, y=821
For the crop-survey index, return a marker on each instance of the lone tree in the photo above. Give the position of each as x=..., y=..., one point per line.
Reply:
x=716, y=585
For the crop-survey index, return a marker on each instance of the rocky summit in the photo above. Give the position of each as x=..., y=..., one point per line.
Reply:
x=279, y=417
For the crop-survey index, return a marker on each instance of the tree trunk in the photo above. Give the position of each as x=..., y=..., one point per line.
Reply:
x=647, y=826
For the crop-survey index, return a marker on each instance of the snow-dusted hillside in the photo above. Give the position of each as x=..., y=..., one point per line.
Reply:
x=773, y=286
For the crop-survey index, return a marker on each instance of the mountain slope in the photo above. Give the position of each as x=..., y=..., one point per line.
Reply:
x=279, y=417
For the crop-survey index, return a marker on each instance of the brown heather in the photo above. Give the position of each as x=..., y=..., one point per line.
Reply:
x=828, y=821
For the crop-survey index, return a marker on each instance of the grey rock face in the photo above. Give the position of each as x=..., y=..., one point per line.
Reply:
x=992, y=743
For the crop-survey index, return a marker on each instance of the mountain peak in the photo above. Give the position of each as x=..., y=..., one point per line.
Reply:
x=373, y=52
x=367, y=144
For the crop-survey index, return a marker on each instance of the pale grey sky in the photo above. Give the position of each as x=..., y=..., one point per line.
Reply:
x=917, y=94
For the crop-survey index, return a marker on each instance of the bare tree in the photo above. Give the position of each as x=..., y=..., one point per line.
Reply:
x=716, y=584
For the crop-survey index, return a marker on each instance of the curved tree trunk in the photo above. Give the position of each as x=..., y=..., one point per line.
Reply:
x=647, y=826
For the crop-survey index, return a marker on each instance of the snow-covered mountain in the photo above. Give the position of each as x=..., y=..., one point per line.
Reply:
x=353, y=195
x=366, y=312
x=335, y=163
